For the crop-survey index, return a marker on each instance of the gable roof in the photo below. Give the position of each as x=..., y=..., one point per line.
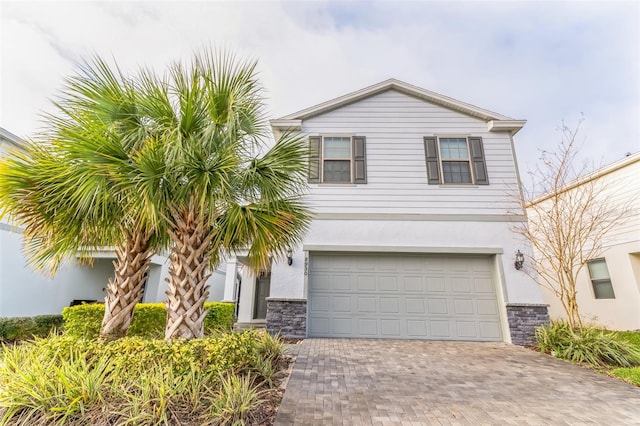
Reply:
x=496, y=122
x=626, y=161
x=7, y=136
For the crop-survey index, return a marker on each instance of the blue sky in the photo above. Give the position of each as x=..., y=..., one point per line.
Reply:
x=541, y=61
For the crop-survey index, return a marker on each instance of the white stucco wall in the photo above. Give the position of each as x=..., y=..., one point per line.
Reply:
x=617, y=185
x=24, y=292
x=621, y=313
x=425, y=236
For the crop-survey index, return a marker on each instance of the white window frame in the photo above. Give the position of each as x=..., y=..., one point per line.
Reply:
x=323, y=159
x=608, y=279
x=457, y=160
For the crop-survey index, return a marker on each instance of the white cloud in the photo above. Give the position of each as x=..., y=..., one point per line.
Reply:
x=542, y=61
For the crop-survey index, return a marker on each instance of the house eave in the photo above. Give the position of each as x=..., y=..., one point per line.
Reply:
x=512, y=126
x=285, y=125
x=12, y=139
x=400, y=86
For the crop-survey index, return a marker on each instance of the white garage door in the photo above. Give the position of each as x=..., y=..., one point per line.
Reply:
x=402, y=296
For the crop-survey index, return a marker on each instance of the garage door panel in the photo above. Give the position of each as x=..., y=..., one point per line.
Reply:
x=367, y=304
x=367, y=327
x=389, y=305
x=483, y=285
x=417, y=328
x=341, y=326
x=487, y=307
x=320, y=303
x=466, y=329
x=319, y=326
x=463, y=307
x=436, y=285
x=413, y=284
x=438, y=306
x=383, y=296
x=415, y=305
x=390, y=327
x=388, y=283
x=341, y=303
x=365, y=283
x=440, y=329
x=490, y=330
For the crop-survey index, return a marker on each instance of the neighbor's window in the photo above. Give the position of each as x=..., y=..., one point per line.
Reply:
x=455, y=160
x=600, y=279
x=337, y=159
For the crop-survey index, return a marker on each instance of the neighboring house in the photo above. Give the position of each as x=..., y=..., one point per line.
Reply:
x=608, y=288
x=411, y=236
x=25, y=292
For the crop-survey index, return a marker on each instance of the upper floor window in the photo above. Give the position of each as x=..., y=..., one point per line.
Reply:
x=337, y=159
x=455, y=160
x=600, y=279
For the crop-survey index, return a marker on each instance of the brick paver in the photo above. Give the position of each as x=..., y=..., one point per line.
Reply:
x=392, y=382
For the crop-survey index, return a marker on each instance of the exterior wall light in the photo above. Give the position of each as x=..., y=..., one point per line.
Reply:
x=289, y=257
x=519, y=260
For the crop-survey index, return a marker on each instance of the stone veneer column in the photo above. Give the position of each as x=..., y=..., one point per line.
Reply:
x=287, y=317
x=523, y=319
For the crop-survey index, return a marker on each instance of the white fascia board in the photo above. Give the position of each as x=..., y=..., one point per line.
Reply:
x=512, y=126
x=284, y=125
x=7, y=136
x=393, y=84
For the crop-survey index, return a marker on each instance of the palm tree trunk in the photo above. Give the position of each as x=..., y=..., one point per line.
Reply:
x=125, y=288
x=188, y=271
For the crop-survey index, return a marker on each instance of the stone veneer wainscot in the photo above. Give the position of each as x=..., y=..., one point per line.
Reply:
x=523, y=319
x=287, y=317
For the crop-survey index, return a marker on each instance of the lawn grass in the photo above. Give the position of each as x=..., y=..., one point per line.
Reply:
x=632, y=374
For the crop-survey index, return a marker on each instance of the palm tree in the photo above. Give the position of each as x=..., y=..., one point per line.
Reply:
x=61, y=188
x=211, y=190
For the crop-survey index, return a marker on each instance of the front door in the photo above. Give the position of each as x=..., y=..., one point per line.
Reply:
x=263, y=287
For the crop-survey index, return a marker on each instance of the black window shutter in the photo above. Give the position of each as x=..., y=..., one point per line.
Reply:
x=359, y=159
x=314, y=159
x=477, y=161
x=431, y=156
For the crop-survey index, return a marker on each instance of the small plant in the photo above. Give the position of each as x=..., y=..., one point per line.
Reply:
x=587, y=345
x=270, y=346
x=235, y=400
x=266, y=368
x=23, y=328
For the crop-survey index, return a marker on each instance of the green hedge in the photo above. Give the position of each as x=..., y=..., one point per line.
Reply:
x=22, y=328
x=149, y=319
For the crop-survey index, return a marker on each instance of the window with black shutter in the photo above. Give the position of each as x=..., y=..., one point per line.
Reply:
x=455, y=160
x=337, y=159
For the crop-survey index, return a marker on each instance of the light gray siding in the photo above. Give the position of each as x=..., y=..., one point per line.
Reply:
x=395, y=124
x=622, y=188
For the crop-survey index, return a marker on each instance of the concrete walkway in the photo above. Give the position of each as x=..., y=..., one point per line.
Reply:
x=391, y=382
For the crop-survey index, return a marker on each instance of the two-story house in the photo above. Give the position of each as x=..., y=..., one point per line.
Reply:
x=608, y=287
x=411, y=237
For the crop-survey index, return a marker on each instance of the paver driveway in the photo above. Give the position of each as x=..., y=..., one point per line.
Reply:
x=386, y=382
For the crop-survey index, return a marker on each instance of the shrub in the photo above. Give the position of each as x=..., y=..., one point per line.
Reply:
x=22, y=328
x=588, y=345
x=69, y=380
x=148, y=319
